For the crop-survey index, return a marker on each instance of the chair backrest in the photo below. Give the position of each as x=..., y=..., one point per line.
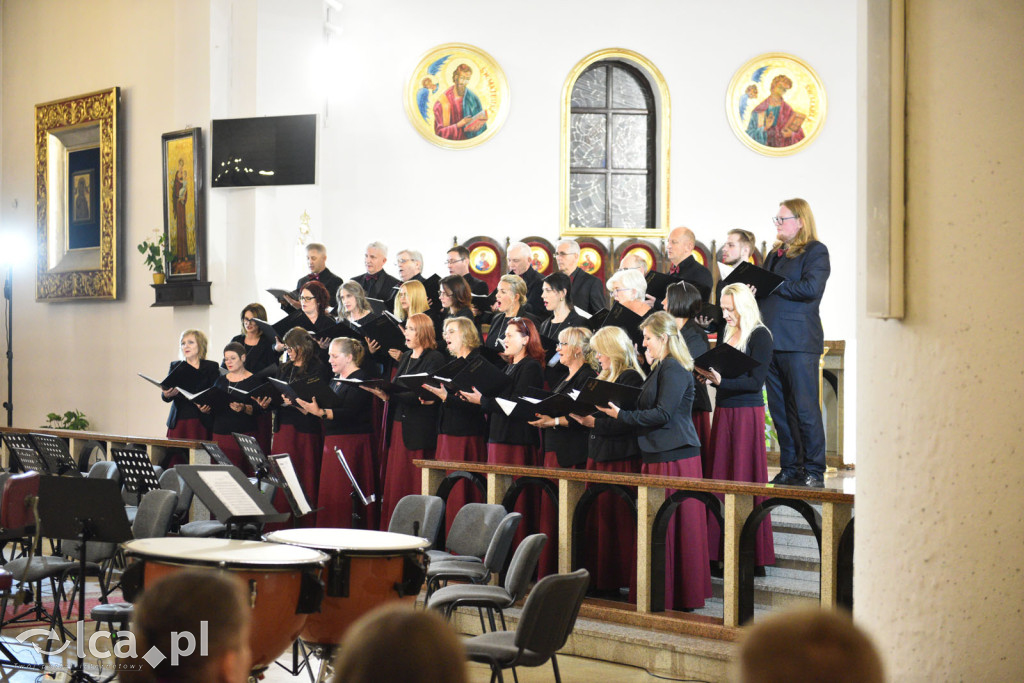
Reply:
x=523, y=565
x=15, y=507
x=418, y=515
x=501, y=542
x=105, y=469
x=473, y=528
x=153, y=520
x=549, y=614
x=172, y=481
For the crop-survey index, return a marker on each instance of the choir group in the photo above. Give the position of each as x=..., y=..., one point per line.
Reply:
x=442, y=368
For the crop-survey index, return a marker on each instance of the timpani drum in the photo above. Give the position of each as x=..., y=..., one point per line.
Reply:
x=366, y=569
x=283, y=582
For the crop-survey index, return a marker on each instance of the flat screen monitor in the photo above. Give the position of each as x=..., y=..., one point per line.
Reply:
x=269, y=150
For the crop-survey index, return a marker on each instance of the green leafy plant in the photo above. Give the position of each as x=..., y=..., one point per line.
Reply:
x=72, y=419
x=155, y=253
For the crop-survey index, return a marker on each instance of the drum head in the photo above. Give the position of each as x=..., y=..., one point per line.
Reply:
x=350, y=541
x=219, y=552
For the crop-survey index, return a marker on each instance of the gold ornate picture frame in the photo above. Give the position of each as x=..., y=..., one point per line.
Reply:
x=776, y=104
x=457, y=96
x=78, y=197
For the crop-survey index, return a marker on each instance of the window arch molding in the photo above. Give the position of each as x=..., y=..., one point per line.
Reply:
x=662, y=111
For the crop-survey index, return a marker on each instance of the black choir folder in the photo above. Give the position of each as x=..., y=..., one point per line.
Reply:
x=307, y=388
x=658, y=283
x=728, y=361
x=598, y=392
x=340, y=329
x=181, y=373
x=482, y=374
x=748, y=274
x=386, y=331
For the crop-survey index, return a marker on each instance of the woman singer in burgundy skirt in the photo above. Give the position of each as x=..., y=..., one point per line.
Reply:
x=300, y=434
x=348, y=427
x=462, y=430
x=610, y=552
x=565, y=440
x=669, y=446
x=414, y=432
x=185, y=421
x=259, y=357
x=737, y=435
x=238, y=416
x=513, y=441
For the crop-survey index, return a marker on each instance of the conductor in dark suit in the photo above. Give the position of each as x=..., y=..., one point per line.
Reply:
x=375, y=282
x=316, y=257
x=587, y=291
x=683, y=264
x=791, y=313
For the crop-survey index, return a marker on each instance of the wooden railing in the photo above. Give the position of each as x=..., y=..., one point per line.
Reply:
x=740, y=516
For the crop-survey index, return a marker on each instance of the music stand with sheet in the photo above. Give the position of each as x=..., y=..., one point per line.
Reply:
x=231, y=497
x=137, y=473
x=87, y=509
x=56, y=454
x=12, y=439
x=28, y=459
x=283, y=471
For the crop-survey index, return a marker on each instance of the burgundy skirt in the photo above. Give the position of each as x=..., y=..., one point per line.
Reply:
x=335, y=493
x=702, y=423
x=528, y=502
x=738, y=451
x=609, y=553
x=687, y=568
x=234, y=452
x=191, y=428
x=461, y=449
x=305, y=449
x=402, y=478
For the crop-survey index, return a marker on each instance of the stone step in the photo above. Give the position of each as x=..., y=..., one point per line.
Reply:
x=773, y=591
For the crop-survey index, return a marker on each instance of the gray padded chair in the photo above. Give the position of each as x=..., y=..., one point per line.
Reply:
x=418, y=515
x=494, y=598
x=471, y=533
x=546, y=622
x=172, y=481
x=443, y=571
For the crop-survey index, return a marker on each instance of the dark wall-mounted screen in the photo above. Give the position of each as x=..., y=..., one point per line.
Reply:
x=270, y=150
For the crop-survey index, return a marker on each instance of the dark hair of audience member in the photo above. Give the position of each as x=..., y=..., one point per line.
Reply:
x=399, y=644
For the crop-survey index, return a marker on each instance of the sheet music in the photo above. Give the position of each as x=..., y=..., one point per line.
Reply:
x=284, y=462
x=584, y=314
x=506, y=405
x=532, y=400
x=574, y=394
x=231, y=494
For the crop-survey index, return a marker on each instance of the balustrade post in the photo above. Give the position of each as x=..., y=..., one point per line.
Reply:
x=431, y=480
x=834, y=518
x=649, y=500
x=737, y=508
x=497, y=486
x=569, y=493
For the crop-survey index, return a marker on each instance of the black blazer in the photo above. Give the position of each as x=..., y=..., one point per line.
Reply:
x=181, y=407
x=534, y=303
x=745, y=390
x=611, y=439
x=587, y=291
x=662, y=419
x=227, y=421
x=380, y=287
x=569, y=442
x=476, y=285
x=327, y=279
x=554, y=374
x=419, y=421
x=354, y=414
x=792, y=310
x=461, y=418
x=498, y=325
x=503, y=429
x=697, y=343
x=697, y=275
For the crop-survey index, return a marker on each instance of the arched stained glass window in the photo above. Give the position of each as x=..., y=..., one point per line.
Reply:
x=615, y=168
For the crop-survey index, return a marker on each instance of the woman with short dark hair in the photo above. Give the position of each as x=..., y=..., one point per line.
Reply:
x=683, y=302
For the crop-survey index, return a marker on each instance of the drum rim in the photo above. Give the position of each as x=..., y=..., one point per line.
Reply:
x=361, y=552
x=233, y=563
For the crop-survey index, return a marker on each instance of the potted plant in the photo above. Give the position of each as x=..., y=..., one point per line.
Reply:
x=156, y=256
x=72, y=419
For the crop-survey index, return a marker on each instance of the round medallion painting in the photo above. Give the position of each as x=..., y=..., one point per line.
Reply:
x=457, y=96
x=776, y=104
x=483, y=259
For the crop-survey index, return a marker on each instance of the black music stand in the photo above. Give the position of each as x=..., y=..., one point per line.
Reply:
x=217, y=453
x=87, y=509
x=283, y=472
x=359, y=499
x=28, y=459
x=230, y=496
x=56, y=454
x=137, y=473
x=257, y=459
x=12, y=439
